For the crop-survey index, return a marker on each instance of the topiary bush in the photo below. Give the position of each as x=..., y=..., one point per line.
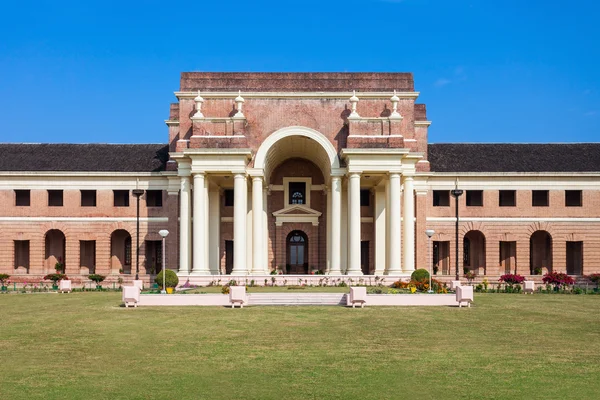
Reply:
x=97, y=278
x=420, y=275
x=171, y=279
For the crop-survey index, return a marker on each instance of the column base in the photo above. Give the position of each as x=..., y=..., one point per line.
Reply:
x=239, y=273
x=199, y=273
x=354, y=273
x=394, y=272
x=338, y=272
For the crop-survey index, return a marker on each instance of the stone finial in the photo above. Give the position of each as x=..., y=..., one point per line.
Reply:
x=353, y=101
x=395, y=99
x=239, y=101
x=199, y=100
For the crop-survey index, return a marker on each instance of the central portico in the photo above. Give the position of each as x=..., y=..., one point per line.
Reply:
x=296, y=181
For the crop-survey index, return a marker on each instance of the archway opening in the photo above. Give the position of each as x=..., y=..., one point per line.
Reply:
x=474, y=252
x=55, y=244
x=297, y=253
x=120, y=251
x=540, y=253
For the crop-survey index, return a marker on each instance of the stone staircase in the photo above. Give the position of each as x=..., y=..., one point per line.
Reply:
x=296, y=299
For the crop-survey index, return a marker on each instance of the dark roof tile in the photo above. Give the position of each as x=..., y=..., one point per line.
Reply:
x=514, y=157
x=84, y=157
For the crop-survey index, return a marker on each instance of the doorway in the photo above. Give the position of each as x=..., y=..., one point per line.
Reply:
x=228, y=256
x=297, y=251
x=364, y=257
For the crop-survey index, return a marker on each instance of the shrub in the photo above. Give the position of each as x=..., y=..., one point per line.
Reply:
x=558, y=279
x=225, y=289
x=171, y=279
x=420, y=275
x=400, y=285
x=97, y=278
x=470, y=275
x=577, y=290
x=55, y=277
x=512, y=279
x=4, y=278
x=59, y=267
x=595, y=278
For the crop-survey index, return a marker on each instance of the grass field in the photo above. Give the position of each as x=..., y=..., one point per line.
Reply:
x=83, y=345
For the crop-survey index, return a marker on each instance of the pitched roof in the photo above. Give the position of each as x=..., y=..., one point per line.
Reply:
x=514, y=157
x=84, y=157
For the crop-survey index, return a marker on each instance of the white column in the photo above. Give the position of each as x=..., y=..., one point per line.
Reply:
x=185, y=234
x=199, y=222
x=354, y=225
x=394, y=220
x=265, y=234
x=408, y=237
x=328, y=238
x=214, y=236
x=239, y=224
x=336, y=221
x=257, y=225
x=380, y=230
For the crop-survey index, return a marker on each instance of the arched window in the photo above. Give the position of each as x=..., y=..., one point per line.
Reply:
x=297, y=193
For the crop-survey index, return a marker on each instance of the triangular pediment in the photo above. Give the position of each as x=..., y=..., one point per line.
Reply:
x=297, y=210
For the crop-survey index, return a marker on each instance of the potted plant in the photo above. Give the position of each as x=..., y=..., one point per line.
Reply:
x=59, y=267
x=3, y=280
x=594, y=278
x=97, y=278
x=171, y=280
x=55, y=278
x=470, y=275
x=513, y=282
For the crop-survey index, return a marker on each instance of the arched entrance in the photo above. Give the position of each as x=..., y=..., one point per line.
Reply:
x=120, y=251
x=474, y=252
x=55, y=249
x=297, y=253
x=540, y=252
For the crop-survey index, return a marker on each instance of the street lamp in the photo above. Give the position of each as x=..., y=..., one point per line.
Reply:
x=163, y=233
x=137, y=193
x=429, y=233
x=456, y=192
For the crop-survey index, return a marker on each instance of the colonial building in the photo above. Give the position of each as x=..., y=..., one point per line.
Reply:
x=298, y=173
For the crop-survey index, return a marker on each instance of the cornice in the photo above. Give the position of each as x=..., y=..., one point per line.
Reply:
x=296, y=95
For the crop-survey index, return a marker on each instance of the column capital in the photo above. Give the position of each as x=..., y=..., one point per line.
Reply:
x=354, y=175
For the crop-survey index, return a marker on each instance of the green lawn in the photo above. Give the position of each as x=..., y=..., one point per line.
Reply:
x=83, y=345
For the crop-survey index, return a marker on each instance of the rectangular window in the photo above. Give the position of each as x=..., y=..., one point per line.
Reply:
x=508, y=198
x=121, y=198
x=23, y=198
x=539, y=198
x=55, y=198
x=475, y=198
x=441, y=198
x=573, y=198
x=228, y=195
x=88, y=198
x=365, y=197
x=153, y=198
x=297, y=192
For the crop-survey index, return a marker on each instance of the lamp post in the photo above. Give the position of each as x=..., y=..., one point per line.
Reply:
x=137, y=193
x=163, y=233
x=429, y=233
x=456, y=192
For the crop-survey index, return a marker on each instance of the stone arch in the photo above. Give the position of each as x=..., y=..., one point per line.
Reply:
x=540, y=252
x=473, y=226
x=306, y=142
x=55, y=245
x=474, y=251
x=121, y=251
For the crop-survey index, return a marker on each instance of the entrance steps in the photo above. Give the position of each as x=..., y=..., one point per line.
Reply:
x=296, y=299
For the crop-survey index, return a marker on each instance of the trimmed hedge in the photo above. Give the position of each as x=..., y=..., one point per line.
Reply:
x=171, y=279
x=420, y=275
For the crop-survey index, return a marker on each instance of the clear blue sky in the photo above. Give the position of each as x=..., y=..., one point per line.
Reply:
x=489, y=71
